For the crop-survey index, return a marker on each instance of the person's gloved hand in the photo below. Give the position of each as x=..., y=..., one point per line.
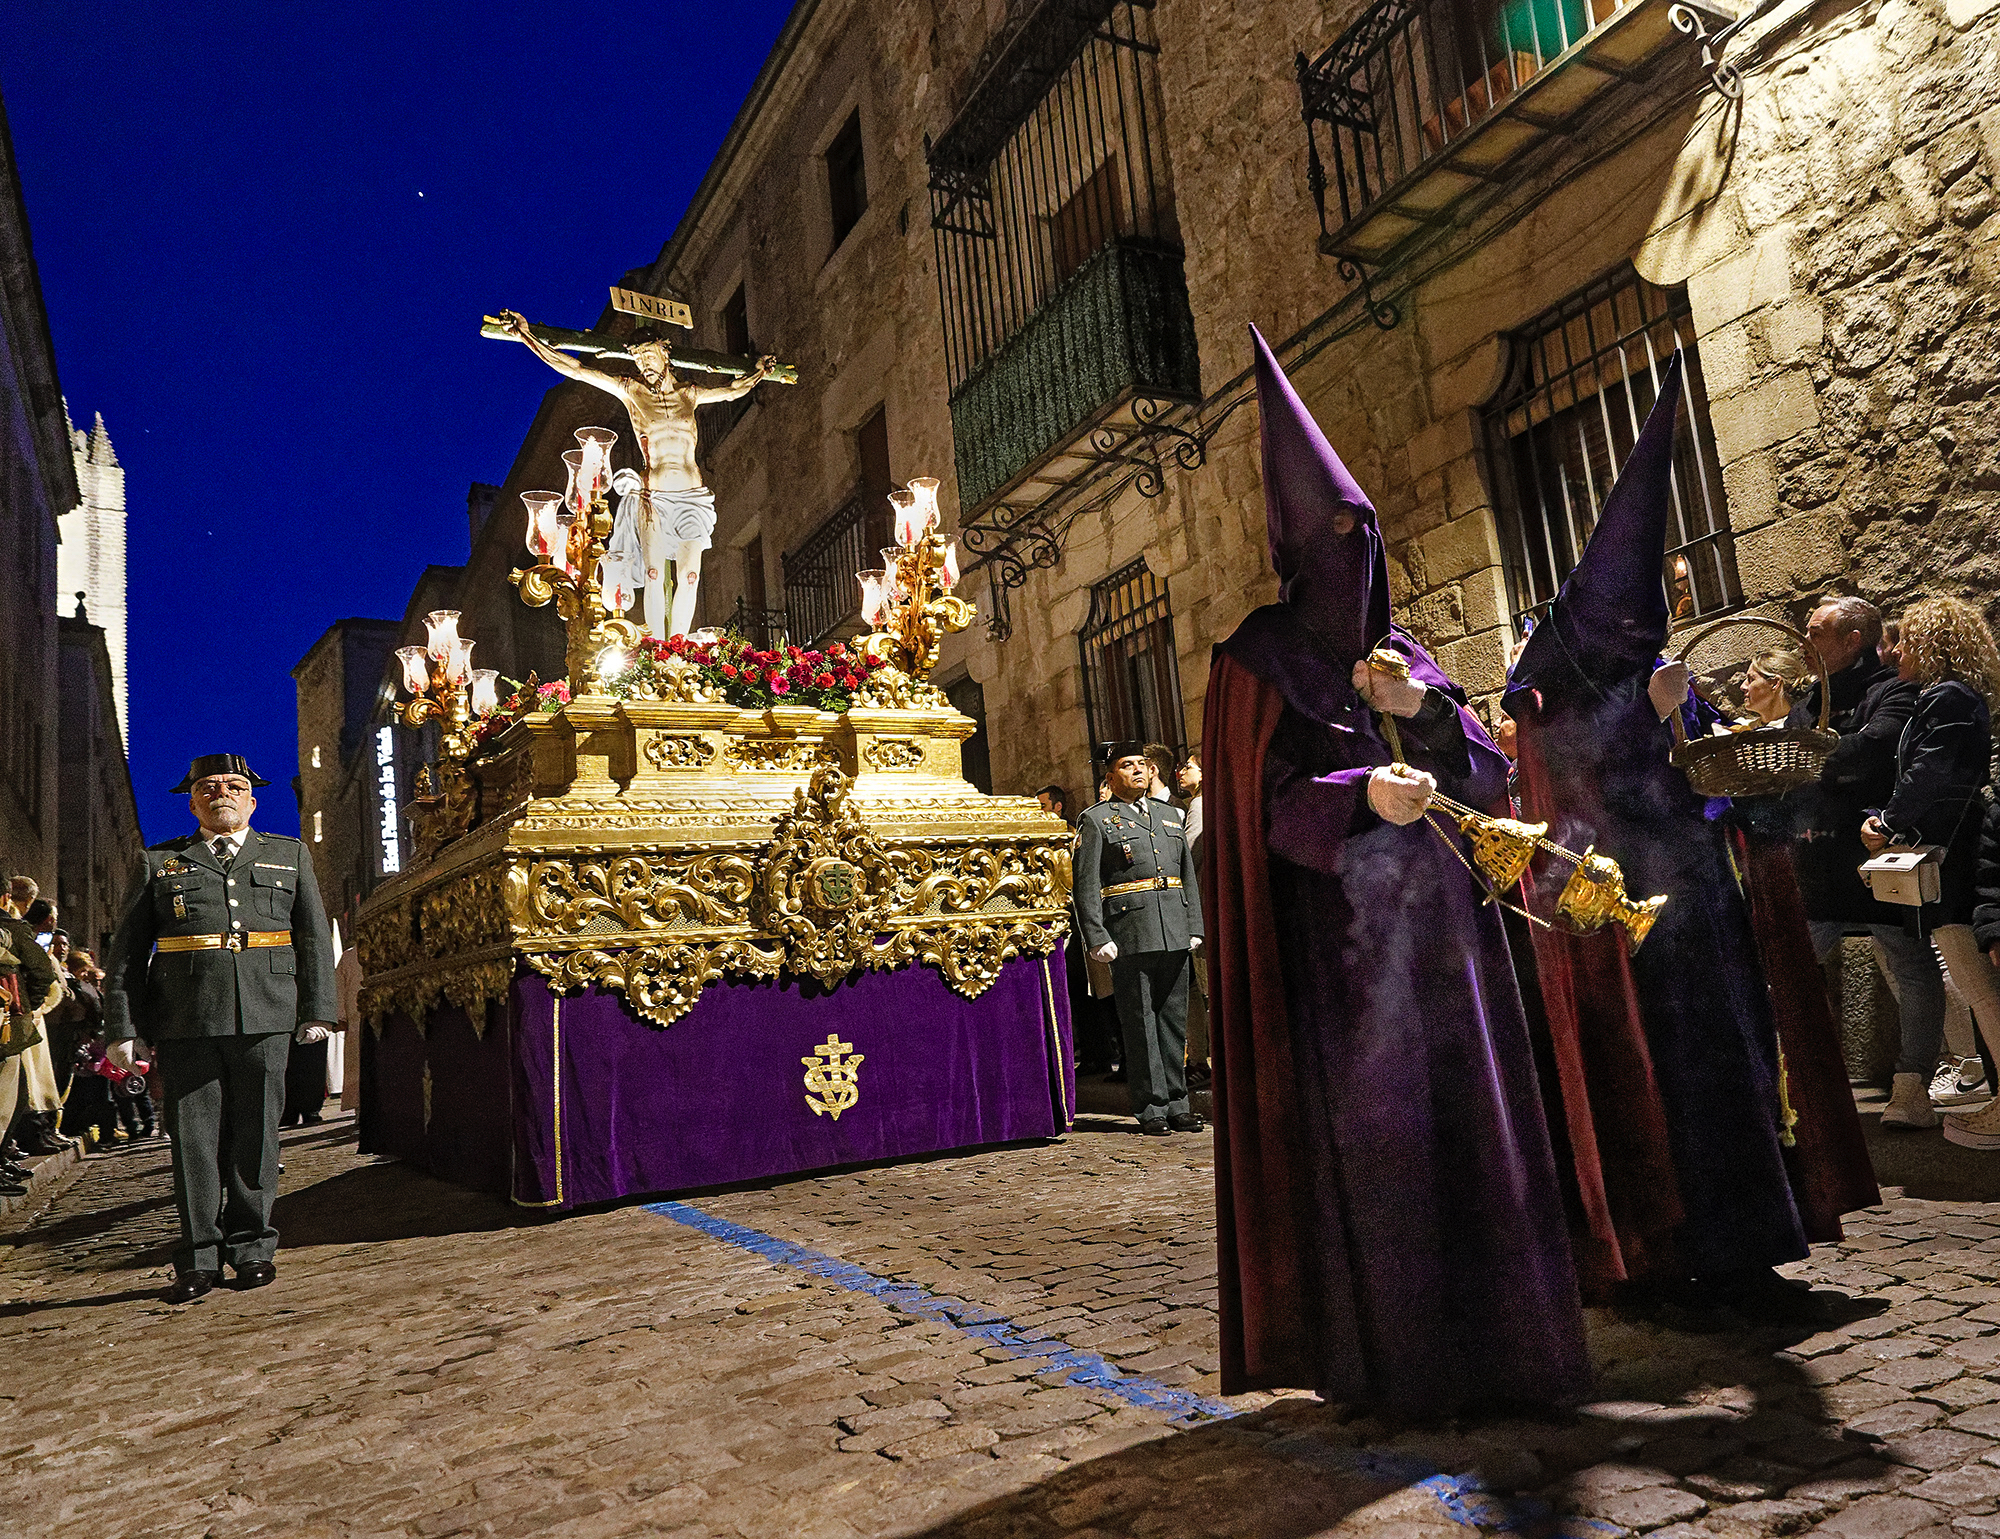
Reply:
x=1399, y=794
x=1108, y=952
x=1668, y=689
x=1194, y=943
x=1386, y=692
x=311, y=1032
x=121, y=1054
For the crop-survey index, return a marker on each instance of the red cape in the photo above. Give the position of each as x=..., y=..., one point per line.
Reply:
x=1609, y=1101
x=1828, y=1165
x=1261, y=1277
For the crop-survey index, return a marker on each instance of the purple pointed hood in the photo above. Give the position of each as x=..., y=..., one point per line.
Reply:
x=1338, y=585
x=1610, y=617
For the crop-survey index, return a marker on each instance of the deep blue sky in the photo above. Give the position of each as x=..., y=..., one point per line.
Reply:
x=266, y=236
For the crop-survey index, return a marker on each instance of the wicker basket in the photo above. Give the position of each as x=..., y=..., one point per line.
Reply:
x=1760, y=761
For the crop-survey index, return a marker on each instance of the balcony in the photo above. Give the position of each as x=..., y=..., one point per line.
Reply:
x=822, y=595
x=1427, y=102
x=1117, y=329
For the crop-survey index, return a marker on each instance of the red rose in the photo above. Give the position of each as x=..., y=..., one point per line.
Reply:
x=728, y=672
x=823, y=680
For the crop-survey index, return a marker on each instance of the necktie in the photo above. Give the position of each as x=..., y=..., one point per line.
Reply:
x=224, y=852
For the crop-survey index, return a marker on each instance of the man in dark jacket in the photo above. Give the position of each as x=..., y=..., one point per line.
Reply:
x=223, y=955
x=1871, y=706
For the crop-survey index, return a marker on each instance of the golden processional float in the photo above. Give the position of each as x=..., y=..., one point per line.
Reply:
x=704, y=913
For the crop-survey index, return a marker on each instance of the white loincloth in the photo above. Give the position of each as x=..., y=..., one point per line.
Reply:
x=654, y=520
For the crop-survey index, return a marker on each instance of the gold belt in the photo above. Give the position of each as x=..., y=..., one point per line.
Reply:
x=1151, y=884
x=232, y=942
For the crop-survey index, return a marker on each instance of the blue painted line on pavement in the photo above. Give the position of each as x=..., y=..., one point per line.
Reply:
x=1464, y=1498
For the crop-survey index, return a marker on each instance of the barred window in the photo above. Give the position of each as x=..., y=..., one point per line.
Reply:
x=1581, y=378
x=1131, y=680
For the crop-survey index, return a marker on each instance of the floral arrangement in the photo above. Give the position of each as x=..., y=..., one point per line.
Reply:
x=731, y=669
x=529, y=699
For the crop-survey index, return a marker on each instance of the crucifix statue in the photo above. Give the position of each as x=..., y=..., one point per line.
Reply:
x=665, y=513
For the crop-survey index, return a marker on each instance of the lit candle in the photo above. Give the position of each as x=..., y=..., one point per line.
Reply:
x=872, y=597
x=597, y=444
x=485, y=691
x=576, y=494
x=416, y=669
x=909, y=518
x=951, y=564
x=926, y=489
x=542, y=534
x=459, y=663
x=443, y=625
x=892, y=575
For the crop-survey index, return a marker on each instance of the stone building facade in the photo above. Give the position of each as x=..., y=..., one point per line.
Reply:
x=90, y=566
x=37, y=486
x=339, y=683
x=98, y=817
x=1018, y=245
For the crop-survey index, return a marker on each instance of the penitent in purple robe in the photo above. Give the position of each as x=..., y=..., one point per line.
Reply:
x=1422, y=1262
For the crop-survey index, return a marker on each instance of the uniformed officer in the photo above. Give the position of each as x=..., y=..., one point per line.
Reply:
x=1140, y=911
x=223, y=955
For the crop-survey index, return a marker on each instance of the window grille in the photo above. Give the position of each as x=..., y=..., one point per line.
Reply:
x=1581, y=378
x=1056, y=156
x=1131, y=679
x=822, y=594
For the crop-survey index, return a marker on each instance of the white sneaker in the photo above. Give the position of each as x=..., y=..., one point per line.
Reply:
x=1950, y=1071
x=1975, y=1130
x=1909, y=1104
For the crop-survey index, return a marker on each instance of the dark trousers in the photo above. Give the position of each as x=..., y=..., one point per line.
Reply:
x=88, y=1105
x=135, y=1113
x=305, y=1083
x=224, y=1095
x=1152, y=989
x=1093, y=1022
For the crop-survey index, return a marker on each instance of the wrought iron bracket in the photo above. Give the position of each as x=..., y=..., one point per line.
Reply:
x=1383, y=312
x=1723, y=75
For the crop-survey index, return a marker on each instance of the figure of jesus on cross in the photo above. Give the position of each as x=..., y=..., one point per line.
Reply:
x=665, y=513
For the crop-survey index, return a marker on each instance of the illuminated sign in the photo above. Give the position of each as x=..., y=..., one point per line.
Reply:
x=385, y=778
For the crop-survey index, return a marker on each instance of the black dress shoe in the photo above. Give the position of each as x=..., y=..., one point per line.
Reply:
x=1187, y=1122
x=1155, y=1129
x=254, y=1274
x=12, y=1189
x=189, y=1286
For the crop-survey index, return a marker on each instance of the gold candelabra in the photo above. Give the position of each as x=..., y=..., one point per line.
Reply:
x=908, y=602
x=1504, y=848
x=568, y=534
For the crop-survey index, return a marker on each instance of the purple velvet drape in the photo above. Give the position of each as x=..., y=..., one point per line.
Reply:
x=584, y=1102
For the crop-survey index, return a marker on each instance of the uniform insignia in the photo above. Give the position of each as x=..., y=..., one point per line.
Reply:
x=180, y=907
x=175, y=866
x=269, y=865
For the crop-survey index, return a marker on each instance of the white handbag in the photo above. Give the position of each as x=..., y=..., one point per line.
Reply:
x=1912, y=875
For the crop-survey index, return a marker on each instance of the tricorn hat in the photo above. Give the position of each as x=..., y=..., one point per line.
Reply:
x=1110, y=753
x=218, y=764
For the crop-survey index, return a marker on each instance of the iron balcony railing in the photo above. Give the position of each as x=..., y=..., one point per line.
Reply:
x=822, y=594
x=764, y=629
x=1420, y=102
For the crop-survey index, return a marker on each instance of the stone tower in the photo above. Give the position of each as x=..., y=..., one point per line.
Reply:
x=91, y=558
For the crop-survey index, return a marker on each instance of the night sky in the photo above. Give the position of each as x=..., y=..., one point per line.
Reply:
x=266, y=236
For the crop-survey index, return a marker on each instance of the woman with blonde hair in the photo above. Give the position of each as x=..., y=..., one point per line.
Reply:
x=1773, y=679
x=1942, y=767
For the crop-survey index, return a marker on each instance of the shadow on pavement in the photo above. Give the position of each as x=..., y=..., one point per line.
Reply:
x=389, y=1201
x=1680, y=1420
x=1924, y=1165
x=63, y=1233
x=19, y=1309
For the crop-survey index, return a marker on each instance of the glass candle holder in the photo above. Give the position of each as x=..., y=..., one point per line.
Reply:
x=459, y=663
x=542, y=507
x=892, y=574
x=575, y=497
x=873, y=598
x=416, y=663
x=596, y=442
x=951, y=564
x=443, y=624
x=909, y=518
x=925, y=489
x=484, y=695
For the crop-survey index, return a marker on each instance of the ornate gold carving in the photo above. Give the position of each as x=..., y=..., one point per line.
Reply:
x=567, y=896
x=749, y=753
x=825, y=887
x=833, y=1081
x=679, y=752
x=893, y=753
x=677, y=679
x=895, y=689
x=661, y=983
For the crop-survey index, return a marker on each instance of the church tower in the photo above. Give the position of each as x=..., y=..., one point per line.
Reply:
x=91, y=559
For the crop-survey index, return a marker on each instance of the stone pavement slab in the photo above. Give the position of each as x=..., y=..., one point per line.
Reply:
x=1008, y=1344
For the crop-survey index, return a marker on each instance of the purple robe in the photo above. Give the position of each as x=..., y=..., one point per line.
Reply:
x=1425, y=1218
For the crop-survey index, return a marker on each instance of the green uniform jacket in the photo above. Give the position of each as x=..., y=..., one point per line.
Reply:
x=1121, y=845
x=180, y=890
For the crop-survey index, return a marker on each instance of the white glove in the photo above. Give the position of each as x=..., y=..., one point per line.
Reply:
x=1108, y=952
x=1399, y=797
x=311, y=1032
x=1385, y=692
x=1194, y=943
x=1668, y=688
x=121, y=1054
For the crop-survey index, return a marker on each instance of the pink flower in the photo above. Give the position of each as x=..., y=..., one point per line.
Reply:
x=780, y=687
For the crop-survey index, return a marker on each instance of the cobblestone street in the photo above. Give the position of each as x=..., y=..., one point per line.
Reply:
x=1005, y=1345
